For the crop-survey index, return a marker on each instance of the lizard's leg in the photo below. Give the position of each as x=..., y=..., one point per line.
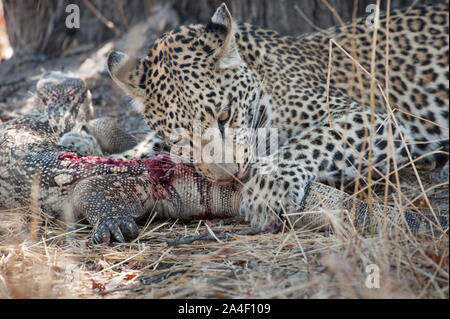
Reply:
x=112, y=204
x=322, y=153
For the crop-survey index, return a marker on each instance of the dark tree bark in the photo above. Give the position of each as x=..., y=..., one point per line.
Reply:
x=39, y=27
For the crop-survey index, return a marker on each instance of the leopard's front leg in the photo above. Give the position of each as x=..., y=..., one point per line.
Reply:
x=321, y=153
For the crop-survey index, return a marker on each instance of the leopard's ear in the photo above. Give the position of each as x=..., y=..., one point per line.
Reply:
x=128, y=72
x=228, y=54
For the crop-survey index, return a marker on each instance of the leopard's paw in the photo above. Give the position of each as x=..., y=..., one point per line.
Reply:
x=268, y=197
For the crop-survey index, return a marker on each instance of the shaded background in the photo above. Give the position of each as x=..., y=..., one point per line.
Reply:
x=38, y=26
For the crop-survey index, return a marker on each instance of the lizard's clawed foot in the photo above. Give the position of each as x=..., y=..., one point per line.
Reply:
x=122, y=229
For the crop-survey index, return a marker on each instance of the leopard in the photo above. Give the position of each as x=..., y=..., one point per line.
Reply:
x=362, y=97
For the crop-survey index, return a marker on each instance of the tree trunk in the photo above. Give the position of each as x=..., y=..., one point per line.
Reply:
x=39, y=27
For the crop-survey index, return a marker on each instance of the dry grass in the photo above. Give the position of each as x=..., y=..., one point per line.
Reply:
x=293, y=264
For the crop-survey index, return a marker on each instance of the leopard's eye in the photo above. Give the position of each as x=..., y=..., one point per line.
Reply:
x=224, y=117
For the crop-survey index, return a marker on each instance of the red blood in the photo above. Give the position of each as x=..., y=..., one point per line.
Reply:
x=161, y=172
x=89, y=161
x=160, y=169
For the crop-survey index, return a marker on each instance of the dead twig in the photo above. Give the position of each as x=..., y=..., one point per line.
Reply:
x=208, y=236
x=122, y=15
x=100, y=16
x=146, y=281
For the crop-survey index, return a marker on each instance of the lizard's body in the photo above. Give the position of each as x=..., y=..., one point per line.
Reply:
x=110, y=193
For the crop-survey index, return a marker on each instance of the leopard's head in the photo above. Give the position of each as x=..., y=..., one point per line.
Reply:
x=196, y=91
